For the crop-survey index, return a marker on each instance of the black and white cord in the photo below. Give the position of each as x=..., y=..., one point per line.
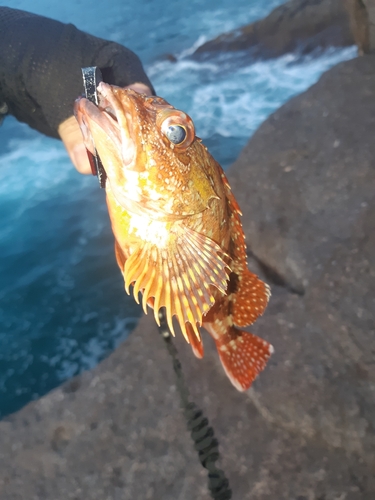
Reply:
x=201, y=432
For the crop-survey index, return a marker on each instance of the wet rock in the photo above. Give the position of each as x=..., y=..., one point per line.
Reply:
x=305, y=183
x=298, y=25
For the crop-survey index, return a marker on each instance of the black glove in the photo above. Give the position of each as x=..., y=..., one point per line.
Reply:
x=40, y=67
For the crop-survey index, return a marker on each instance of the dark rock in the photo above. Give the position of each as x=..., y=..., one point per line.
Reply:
x=298, y=25
x=72, y=386
x=60, y=438
x=305, y=183
x=171, y=58
x=362, y=22
x=370, y=12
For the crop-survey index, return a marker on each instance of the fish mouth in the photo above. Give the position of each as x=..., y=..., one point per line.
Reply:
x=110, y=120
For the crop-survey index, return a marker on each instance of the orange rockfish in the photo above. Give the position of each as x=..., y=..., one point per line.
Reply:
x=179, y=239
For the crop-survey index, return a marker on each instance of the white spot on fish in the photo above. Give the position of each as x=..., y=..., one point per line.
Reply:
x=152, y=231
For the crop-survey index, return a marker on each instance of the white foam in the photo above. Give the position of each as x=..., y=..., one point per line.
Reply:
x=234, y=102
x=37, y=163
x=37, y=169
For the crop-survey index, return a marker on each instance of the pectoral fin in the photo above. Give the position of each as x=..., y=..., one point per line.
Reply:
x=179, y=277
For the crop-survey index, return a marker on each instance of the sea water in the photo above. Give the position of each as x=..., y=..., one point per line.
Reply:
x=62, y=303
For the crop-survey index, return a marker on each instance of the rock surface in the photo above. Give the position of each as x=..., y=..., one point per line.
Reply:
x=297, y=25
x=306, y=430
x=370, y=14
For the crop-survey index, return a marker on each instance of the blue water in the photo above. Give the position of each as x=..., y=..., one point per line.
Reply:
x=62, y=303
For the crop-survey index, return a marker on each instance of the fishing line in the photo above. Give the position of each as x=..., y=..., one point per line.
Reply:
x=201, y=432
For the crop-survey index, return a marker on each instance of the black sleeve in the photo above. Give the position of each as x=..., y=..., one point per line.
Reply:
x=40, y=67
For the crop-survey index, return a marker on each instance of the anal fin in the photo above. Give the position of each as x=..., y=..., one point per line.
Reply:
x=250, y=299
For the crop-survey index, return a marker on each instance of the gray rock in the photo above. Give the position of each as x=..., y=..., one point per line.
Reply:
x=309, y=171
x=297, y=25
x=370, y=15
x=305, y=430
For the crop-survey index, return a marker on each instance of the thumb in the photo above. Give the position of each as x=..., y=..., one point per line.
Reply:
x=71, y=136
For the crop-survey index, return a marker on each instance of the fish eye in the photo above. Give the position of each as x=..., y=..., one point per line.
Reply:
x=176, y=126
x=176, y=133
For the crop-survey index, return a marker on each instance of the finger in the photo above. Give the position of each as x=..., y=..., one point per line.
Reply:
x=139, y=87
x=71, y=136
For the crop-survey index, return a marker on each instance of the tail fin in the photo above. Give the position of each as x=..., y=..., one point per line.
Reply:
x=243, y=356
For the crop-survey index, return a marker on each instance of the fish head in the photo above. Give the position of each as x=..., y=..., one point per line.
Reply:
x=154, y=162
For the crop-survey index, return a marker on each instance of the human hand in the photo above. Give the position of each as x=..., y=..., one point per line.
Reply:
x=71, y=135
x=42, y=79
